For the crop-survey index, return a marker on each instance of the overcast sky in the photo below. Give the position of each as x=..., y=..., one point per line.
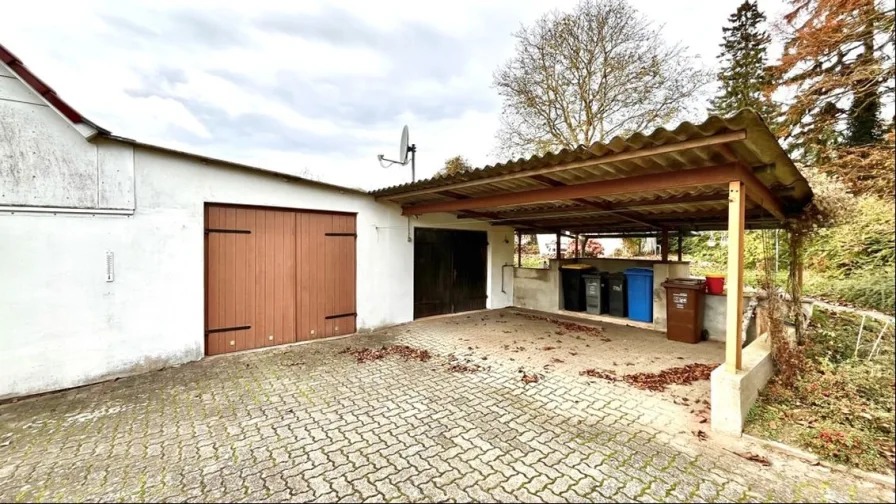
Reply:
x=310, y=86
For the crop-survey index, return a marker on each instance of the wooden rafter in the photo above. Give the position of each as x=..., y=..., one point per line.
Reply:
x=582, y=210
x=758, y=192
x=593, y=204
x=708, y=176
x=659, y=220
x=723, y=138
x=470, y=214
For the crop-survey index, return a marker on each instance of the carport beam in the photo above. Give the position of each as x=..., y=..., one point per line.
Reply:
x=679, y=246
x=735, y=300
x=665, y=245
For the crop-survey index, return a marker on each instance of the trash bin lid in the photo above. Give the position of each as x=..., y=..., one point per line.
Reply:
x=592, y=276
x=577, y=266
x=685, y=283
x=639, y=271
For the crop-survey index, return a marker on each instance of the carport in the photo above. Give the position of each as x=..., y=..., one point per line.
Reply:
x=723, y=174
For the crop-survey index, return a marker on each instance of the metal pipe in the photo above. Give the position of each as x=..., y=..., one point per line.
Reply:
x=502, y=276
x=413, y=150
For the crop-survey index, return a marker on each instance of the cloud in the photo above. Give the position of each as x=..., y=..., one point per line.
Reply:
x=414, y=49
x=212, y=28
x=259, y=131
x=322, y=85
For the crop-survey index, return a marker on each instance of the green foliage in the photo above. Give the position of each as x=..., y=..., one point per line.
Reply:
x=744, y=77
x=707, y=247
x=842, y=407
x=632, y=247
x=870, y=289
x=455, y=165
x=852, y=262
x=864, y=125
x=865, y=242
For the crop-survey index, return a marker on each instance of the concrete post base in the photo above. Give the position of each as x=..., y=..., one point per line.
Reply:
x=734, y=394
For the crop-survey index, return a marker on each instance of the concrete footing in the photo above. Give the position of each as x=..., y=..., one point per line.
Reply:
x=734, y=394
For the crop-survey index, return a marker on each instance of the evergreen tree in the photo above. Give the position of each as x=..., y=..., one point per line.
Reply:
x=744, y=77
x=863, y=122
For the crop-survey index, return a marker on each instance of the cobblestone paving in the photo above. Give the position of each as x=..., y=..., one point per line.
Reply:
x=308, y=423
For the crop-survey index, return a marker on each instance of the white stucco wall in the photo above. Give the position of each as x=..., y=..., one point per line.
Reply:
x=46, y=162
x=62, y=325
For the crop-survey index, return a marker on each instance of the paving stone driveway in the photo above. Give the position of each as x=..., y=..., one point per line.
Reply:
x=309, y=423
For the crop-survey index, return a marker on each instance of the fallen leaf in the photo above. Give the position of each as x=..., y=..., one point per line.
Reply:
x=407, y=352
x=530, y=378
x=759, y=459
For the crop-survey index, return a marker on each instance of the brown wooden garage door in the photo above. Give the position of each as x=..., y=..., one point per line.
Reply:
x=277, y=276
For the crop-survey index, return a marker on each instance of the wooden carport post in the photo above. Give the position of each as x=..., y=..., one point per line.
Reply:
x=735, y=300
x=679, y=245
x=665, y=245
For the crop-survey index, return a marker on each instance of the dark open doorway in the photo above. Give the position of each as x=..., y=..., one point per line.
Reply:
x=449, y=271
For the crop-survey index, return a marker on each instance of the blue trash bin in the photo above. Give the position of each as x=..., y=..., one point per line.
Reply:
x=640, y=293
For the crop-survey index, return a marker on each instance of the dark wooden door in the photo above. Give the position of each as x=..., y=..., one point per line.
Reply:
x=469, y=253
x=449, y=271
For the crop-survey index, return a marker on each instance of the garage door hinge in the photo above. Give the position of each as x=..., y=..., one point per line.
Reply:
x=352, y=314
x=231, y=231
x=228, y=329
x=341, y=234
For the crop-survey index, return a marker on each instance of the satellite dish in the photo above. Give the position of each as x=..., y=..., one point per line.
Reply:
x=403, y=148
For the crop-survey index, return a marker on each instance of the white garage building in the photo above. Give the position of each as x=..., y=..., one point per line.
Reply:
x=118, y=257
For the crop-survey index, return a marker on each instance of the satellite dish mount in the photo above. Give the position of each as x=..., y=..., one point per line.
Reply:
x=403, y=150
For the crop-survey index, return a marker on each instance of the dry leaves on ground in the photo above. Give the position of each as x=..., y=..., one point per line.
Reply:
x=759, y=459
x=596, y=373
x=530, y=378
x=701, y=435
x=569, y=326
x=371, y=354
x=683, y=375
x=464, y=368
x=658, y=382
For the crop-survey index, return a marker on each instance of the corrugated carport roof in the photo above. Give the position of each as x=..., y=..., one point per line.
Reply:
x=670, y=179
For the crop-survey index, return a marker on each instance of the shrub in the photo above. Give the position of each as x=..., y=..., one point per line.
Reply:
x=865, y=242
x=868, y=289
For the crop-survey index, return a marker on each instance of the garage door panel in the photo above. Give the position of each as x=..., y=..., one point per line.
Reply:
x=449, y=271
x=225, y=342
x=302, y=261
x=284, y=278
x=259, y=321
x=341, y=252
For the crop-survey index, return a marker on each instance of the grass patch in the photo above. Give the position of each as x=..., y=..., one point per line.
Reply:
x=842, y=406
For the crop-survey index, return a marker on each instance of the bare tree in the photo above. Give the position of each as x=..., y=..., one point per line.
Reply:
x=599, y=71
x=456, y=164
